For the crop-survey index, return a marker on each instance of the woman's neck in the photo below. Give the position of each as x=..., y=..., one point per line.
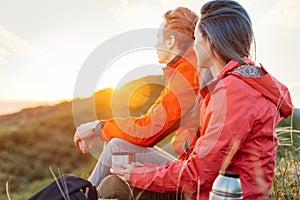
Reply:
x=218, y=65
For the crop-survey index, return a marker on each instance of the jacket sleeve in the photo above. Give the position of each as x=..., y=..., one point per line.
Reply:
x=163, y=117
x=222, y=133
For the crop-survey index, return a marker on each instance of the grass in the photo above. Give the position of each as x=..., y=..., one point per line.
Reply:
x=33, y=140
x=285, y=185
x=30, y=142
x=286, y=182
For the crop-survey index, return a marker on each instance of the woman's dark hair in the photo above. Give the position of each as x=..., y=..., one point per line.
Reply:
x=227, y=27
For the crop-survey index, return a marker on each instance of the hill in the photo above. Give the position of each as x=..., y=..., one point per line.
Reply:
x=9, y=107
x=35, y=139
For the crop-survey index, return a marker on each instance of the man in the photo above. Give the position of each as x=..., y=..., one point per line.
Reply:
x=171, y=111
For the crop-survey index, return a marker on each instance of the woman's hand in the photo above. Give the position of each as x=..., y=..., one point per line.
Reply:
x=123, y=171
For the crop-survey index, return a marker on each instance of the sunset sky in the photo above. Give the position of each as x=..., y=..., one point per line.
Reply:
x=43, y=44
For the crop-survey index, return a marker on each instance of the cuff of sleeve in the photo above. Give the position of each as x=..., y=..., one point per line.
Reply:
x=98, y=129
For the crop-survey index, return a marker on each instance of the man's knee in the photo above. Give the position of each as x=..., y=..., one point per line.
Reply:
x=118, y=144
x=113, y=187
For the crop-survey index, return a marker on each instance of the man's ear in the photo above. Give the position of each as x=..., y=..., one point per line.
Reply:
x=171, y=41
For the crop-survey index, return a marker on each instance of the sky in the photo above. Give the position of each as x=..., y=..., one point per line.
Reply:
x=44, y=44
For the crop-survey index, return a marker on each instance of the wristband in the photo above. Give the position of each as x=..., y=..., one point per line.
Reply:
x=98, y=129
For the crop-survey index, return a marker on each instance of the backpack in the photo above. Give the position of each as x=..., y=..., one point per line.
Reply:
x=67, y=187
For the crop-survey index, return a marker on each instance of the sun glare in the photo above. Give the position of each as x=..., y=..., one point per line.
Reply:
x=128, y=67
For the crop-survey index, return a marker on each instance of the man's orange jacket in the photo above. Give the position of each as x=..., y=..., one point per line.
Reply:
x=169, y=111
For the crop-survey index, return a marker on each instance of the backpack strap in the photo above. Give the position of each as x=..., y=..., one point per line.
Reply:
x=92, y=194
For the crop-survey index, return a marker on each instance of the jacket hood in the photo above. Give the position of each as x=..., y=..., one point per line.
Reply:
x=263, y=82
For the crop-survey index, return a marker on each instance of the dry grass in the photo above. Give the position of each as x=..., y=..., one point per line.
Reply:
x=286, y=182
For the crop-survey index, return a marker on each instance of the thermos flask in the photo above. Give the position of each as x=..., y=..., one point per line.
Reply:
x=226, y=186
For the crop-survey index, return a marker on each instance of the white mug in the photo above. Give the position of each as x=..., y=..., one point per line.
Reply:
x=122, y=157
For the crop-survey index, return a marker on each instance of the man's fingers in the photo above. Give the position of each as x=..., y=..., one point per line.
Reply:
x=82, y=146
x=76, y=140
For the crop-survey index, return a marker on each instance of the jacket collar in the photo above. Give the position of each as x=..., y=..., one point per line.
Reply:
x=229, y=67
x=232, y=65
x=187, y=55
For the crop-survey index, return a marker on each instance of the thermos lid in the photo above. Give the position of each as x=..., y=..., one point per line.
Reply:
x=229, y=174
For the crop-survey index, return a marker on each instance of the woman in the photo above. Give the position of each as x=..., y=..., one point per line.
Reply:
x=239, y=111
